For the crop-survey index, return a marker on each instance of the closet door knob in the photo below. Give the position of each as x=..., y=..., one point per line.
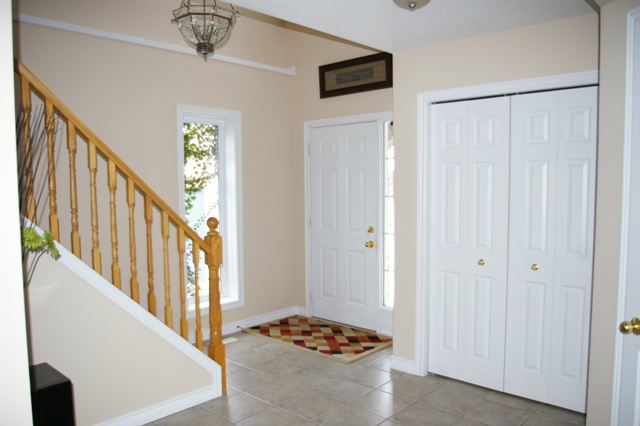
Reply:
x=481, y=262
x=535, y=266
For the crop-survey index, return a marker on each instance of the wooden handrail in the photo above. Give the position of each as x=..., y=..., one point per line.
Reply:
x=101, y=158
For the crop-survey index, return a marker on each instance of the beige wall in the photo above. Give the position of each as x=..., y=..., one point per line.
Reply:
x=555, y=48
x=15, y=397
x=608, y=209
x=116, y=364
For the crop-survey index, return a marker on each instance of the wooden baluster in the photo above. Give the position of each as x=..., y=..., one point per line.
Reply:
x=184, y=332
x=49, y=122
x=96, y=261
x=131, y=202
x=148, y=218
x=25, y=95
x=168, y=313
x=196, y=268
x=215, y=349
x=75, y=228
x=115, y=267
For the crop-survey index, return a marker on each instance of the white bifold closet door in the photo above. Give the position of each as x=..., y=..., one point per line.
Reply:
x=512, y=214
x=553, y=164
x=469, y=193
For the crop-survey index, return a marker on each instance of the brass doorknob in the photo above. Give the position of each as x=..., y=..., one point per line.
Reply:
x=368, y=244
x=481, y=262
x=370, y=229
x=535, y=266
x=633, y=326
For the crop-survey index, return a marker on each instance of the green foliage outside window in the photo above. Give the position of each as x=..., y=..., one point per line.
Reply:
x=201, y=166
x=200, y=149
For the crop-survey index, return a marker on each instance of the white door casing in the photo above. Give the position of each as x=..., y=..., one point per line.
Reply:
x=345, y=201
x=626, y=386
x=470, y=161
x=552, y=205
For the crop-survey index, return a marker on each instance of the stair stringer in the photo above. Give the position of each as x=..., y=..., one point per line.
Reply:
x=72, y=314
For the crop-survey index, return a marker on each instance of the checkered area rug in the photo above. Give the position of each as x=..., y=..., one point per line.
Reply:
x=335, y=341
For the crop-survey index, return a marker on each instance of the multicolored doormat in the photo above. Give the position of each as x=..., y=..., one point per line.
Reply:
x=338, y=342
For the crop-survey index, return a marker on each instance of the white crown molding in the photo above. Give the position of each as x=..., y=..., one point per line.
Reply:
x=20, y=17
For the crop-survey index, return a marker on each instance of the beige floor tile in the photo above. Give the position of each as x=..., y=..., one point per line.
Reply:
x=275, y=392
x=279, y=349
x=308, y=405
x=235, y=408
x=272, y=417
x=345, y=416
x=562, y=414
x=540, y=420
x=495, y=414
x=467, y=388
x=248, y=379
x=277, y=367
x=514, y=401
x=466, y=422
x=423, y=415
x=380, y=403
x=409, y=387
x=251, y=357
x=342, y=391
x=450, y=401
x=369, y=376
x=195, y=416
x=308, y=378
x=383, y=363
x=233, y=367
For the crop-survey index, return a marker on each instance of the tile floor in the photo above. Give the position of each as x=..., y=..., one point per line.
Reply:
x=273, y=384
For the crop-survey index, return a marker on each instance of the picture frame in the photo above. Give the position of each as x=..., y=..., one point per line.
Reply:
x=357, y=75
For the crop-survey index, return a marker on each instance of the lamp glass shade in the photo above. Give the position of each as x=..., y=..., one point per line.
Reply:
x=204, y=26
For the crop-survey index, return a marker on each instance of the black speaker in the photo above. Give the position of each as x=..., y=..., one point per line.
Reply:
x=51, y=397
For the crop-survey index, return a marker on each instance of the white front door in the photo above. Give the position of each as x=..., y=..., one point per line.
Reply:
x=626, y=410
x=346, y=233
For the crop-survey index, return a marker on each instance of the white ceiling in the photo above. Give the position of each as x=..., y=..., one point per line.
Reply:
x=382, y=25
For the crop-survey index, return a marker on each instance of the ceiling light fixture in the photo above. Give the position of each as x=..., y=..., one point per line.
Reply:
x=204, y=26
x=411, y=4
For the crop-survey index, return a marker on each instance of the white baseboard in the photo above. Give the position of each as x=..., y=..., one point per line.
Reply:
x=232, y=327
x=164, y=409
x=404, y=365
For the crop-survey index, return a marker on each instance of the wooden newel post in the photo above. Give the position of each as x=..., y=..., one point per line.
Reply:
x=215, y=350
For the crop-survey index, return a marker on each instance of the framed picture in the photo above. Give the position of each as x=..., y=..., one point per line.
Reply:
x=356, y=75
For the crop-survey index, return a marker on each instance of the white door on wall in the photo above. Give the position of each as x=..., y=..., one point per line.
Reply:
x=345, y=205
x=470, y=190
x=626, y=410
x=553, y=153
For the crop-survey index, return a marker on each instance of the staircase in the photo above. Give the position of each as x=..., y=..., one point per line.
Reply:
x=73, y=192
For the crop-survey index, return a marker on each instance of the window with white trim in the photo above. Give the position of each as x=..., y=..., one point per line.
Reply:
x=214, y=151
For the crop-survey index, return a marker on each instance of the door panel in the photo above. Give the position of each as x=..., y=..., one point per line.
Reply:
x=531, y=249
x=345, y=200
x=575, y=217
x=470, y=157
x=553, y=147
